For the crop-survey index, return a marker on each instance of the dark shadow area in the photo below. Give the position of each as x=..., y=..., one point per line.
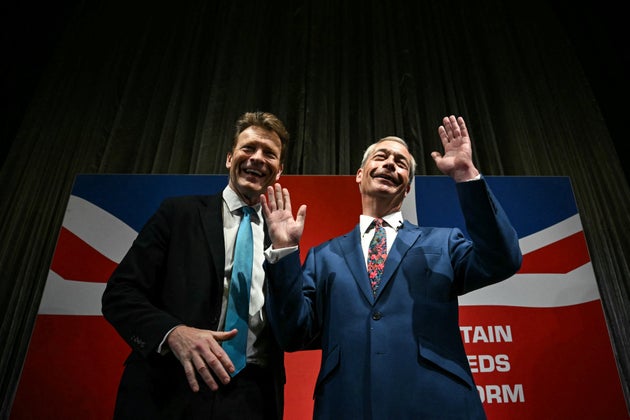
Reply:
x=598, y=32
x=31, y=30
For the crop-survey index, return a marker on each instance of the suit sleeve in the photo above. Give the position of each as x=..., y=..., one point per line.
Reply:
x=494, y=253
x=131, y=293
x=289, y=303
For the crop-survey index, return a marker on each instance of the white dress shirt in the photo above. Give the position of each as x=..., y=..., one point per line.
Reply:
x=232, y=215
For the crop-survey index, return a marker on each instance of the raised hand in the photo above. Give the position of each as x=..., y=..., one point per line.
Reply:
x=284, y=230
x=457, y=159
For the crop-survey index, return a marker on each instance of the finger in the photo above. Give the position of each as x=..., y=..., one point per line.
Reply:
x=271, y=198
x=206, y=363
x=189, y=370
x=222, y=366
x=462, y=127
x=217, y=359
x=278, y=195
x=454, y=127
x=301, y=214
x=264, y=206
x=287, y=199
x=207, y=377
x=443, y=135
x=448, y=129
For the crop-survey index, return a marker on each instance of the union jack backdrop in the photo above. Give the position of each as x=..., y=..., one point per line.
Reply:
x=537, y=343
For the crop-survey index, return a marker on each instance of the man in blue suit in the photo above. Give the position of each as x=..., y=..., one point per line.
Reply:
x=392, y=351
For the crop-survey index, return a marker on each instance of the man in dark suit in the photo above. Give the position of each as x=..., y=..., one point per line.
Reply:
x=390, y=339
x=167, y=298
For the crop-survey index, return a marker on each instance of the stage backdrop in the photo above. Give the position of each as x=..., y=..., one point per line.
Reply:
x=537, y=343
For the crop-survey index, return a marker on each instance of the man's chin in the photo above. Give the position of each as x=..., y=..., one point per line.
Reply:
x=388, y=185
x=387, y=190
x=252, y=184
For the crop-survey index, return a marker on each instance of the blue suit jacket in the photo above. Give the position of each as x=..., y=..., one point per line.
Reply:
x=398, y=354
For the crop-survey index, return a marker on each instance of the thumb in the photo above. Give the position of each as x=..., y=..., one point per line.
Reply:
x=301, y=214
x=225, y=335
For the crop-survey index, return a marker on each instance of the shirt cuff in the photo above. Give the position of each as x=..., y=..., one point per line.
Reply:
x=273, y=255
x=163, y=347
x=477, y=178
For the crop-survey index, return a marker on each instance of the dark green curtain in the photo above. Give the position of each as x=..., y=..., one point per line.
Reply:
x=155, y=87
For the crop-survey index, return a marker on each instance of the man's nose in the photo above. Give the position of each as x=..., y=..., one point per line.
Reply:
x=258, y=154
x=389, y=161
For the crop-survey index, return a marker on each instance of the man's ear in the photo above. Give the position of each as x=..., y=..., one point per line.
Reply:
x=228, y=160
x=359, y=175
x=279, y=172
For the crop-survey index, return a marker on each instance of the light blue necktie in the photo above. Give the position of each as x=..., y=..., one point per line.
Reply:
x=238, y=301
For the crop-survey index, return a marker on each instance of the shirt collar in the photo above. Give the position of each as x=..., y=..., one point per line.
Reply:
x=394, y=220
x=234, y=202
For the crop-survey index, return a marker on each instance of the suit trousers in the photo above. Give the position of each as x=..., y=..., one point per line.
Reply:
x=249, y=395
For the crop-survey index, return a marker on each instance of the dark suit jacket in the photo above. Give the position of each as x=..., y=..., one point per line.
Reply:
x=172, y=274
x=398, y=355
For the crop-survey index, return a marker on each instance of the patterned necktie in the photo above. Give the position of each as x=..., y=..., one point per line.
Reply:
x=238, y=302
x=377, y=254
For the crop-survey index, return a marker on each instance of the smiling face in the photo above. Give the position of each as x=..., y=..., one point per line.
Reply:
x=385, y=171
x=254, y=163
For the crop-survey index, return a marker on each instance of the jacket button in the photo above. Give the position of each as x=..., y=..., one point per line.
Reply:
x=376, y=316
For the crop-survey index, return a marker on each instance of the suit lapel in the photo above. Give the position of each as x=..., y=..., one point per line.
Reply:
x=212, y=222
x=405, y=238
x=351, y=246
